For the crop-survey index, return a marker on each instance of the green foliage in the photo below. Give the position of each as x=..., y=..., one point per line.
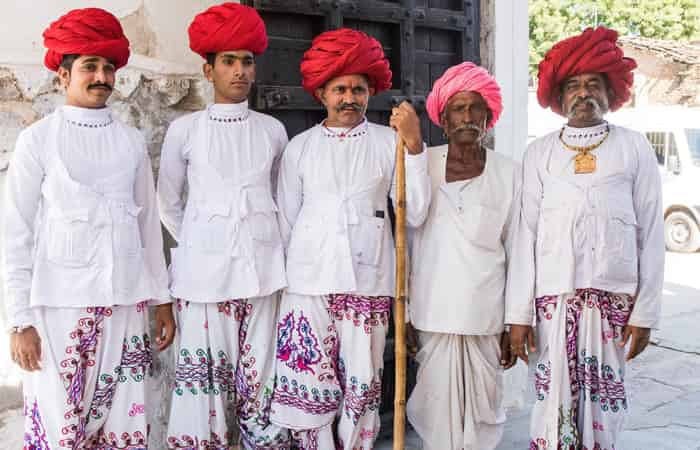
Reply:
x=553, y=20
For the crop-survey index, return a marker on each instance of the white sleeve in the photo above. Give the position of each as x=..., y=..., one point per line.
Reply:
x=280, y=142
x=23, y=195
x=520, y=285
x=290, y=190
x=417, y=187
x=172, y=177
x=150, y=229
x=648, y=208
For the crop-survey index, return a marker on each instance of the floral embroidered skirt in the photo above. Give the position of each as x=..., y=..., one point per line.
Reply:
x=89, y=393
x=330, y=353
x=224, y=376
x=456, y=404
x=580, y=369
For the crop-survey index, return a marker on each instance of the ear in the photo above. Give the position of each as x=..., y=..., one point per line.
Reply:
x=63, y=76
x=443, y=121
x=207, y=71
x=372, y=91
x=320, y=95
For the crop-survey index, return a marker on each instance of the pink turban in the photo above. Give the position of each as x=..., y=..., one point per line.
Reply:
x=464, y=77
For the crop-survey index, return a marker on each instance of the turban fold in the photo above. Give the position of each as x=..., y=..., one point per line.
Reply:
x=344, y=52
x=593, y=51
x=464, y=77
x=229, y=26
x=89, y=31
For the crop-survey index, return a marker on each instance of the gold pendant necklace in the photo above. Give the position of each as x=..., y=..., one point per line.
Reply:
x=584, y=162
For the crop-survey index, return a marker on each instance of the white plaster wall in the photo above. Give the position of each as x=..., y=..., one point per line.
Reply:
x=511, y=70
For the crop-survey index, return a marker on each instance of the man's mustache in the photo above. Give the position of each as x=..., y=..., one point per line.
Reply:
x=354, y=106
x=590, y=101
x=100, y=85
x=468, y=127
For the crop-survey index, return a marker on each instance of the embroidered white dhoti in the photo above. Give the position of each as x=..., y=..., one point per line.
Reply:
x=456, y=404
x=225, y=374
x=330, y=357
x=90, y=391
x=579, y=376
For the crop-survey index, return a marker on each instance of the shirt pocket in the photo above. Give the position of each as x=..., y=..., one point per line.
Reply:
x=489, y=227
x=262, y=220
x=211, y=231
x=71, y=239
x=366, y=239
x=621, y=237
x=127, y=234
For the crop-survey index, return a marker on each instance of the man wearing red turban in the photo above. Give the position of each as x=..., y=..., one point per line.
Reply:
x=228, y=267
x=456, y=305
x=83, y=252
x=332, y=196
x=589, y=249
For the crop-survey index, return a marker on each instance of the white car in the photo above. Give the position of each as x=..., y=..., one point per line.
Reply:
x=674, y=133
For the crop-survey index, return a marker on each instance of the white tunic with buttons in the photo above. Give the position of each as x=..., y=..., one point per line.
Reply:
x=81, y=221
x=333, y=194
x=228, y=237
x=602, y=230
x=460, y=254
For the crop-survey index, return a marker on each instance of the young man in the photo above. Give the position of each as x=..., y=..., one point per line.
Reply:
x=334, y=184
x=83, y=252
x=229, y=263
x=459, y=270
x=589, y=249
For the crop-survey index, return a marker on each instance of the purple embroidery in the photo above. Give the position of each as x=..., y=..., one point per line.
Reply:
x=543, y=377
x=186, y=442
x=35, y=437
x=307, y=353
x=295, y=395
x=361, y=397
x=367, y=312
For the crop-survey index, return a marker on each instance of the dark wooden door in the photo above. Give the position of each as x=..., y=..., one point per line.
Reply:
x=421, y=38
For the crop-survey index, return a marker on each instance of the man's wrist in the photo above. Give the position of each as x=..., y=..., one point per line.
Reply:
x=16, y=329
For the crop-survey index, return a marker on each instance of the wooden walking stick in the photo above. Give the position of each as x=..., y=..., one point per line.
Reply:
x=400, y=310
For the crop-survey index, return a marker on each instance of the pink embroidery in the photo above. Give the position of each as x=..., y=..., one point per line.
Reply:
x=137, y=409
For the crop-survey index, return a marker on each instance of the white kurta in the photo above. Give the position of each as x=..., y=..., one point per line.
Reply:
x=333, y=194
x=460, y=254
x=225, y=272
x=332, y=197
x=228, y=238
x=458, y=276
x=589, y=252
x=602, y=230
x=82, y=226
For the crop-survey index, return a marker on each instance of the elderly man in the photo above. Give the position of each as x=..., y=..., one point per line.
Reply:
x=589, y=249
x=335, y=180
x=458, y=272
x=229, y=264
x=83, y=252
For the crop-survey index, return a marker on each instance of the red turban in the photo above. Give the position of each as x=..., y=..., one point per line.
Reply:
x=344, y=52
x=229, y=26
x=89, y=31
x=593, y=51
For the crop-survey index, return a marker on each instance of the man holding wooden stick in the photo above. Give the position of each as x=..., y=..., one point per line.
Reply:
x=332, y=195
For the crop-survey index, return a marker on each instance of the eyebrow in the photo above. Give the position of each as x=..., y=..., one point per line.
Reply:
x=234, y=56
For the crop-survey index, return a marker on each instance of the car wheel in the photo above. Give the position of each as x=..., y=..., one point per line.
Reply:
x=681, y=232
